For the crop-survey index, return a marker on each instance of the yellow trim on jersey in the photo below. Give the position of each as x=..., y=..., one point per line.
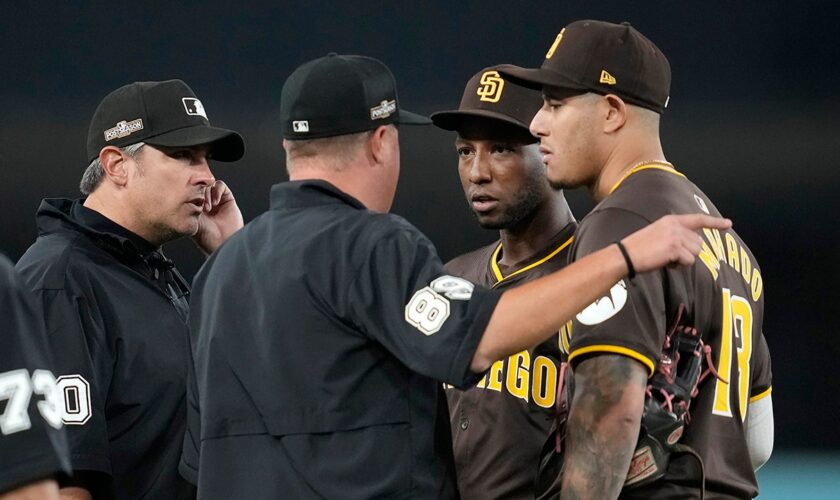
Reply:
x=615, y=350
x=498, y=272
x=645, y=166
x=761, y=395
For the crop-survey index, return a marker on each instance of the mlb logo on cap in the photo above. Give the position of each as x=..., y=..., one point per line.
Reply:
x=194, y=107
x=300, y=126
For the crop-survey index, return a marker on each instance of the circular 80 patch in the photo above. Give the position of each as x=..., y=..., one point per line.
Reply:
x=427, y=311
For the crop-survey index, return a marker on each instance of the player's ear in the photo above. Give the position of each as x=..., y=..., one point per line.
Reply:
x=615, y=114
x=114, y=163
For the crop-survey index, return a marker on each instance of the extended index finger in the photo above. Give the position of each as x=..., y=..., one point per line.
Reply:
x=218, y=190
x=699, y=221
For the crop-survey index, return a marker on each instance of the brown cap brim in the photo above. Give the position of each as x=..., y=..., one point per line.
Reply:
x=454, y=119
x=538, y=77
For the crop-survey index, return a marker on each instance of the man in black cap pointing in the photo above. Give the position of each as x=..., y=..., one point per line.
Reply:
x=322, y=330
x=115, y=307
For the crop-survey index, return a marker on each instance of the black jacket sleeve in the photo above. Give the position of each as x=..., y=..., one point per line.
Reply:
x=84, y=369
x=32, y=442
x=431, y=321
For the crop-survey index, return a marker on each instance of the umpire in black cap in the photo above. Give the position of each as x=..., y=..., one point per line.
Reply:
x=322, y=330
x=115, y=306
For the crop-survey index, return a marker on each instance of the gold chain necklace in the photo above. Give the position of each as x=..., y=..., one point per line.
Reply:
x=632, y=170
x=652, y=162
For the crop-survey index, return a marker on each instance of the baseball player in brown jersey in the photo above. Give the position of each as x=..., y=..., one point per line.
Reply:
x=605, y=86
x=499, y=427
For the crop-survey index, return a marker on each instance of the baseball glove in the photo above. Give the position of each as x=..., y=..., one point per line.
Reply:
x=667, y=402
x=666, y=412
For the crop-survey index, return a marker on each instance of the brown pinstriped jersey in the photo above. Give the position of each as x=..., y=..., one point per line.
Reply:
x=724, y=296
x=499, y=426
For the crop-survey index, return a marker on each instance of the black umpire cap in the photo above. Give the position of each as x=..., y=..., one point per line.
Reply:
x=605, y=58
x=489, y=96
x=338, y=95
x=163, y=113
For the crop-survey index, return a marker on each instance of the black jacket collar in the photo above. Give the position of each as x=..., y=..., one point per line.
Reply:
x=57, y=214
x=306, y=193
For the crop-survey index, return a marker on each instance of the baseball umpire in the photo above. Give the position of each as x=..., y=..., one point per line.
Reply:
x=115, y=306
x=641, y=354
x=33, y=448
x=320, y=331
x=499, y=426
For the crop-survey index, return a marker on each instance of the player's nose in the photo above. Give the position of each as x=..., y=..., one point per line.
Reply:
x=537, y=127
x=480, y=168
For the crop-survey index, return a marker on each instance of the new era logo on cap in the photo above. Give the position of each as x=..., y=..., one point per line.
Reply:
x=194, y=107
x=606, y=78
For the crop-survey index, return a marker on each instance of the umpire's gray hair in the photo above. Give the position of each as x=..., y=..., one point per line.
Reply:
x=94, y=173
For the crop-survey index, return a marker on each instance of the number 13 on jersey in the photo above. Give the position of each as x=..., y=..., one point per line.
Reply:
x=736, y=332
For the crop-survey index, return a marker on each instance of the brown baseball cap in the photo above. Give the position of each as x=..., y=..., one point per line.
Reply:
x=488, y=95
x=604, y=58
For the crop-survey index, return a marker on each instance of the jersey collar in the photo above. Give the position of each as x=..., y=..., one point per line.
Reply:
x=557, y=246
x=646, y=166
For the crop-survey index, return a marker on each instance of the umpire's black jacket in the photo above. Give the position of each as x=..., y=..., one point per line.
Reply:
x=320, y=334
x=115, y=311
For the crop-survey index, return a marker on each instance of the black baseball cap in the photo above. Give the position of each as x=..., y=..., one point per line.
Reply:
x=341, y=94
x=163, y=113
x=488, y=95
x=604, y=58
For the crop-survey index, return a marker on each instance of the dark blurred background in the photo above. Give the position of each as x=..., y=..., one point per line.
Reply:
x=753, y=120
